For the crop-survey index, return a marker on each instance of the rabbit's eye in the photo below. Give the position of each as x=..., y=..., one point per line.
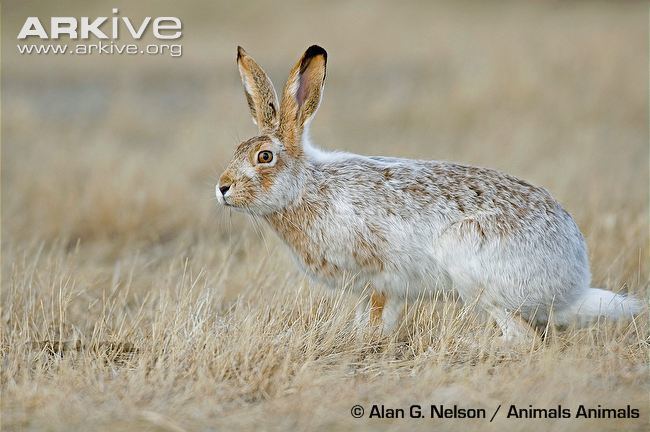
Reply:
x=264, y=156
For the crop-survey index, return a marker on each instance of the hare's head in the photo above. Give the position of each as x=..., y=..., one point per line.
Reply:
x=267, y=171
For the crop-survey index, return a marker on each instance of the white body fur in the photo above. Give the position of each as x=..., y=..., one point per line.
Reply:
x=406, y=228
x=537, y=266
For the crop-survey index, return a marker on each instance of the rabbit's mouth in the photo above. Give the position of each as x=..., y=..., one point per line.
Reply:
x=224, y=202
x=236, y=207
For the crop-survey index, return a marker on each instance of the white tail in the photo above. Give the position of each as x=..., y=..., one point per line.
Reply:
x=593, y=303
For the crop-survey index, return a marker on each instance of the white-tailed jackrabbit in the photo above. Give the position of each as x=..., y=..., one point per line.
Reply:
x=395, y=228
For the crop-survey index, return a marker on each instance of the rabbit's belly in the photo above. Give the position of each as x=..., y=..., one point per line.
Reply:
x=407, y=275
x=337, y=270
x=423, y=277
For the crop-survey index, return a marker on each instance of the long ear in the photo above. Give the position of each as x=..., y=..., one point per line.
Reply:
x=260, y=94
x=302, y=95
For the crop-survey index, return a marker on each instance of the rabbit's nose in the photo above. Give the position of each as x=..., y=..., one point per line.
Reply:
x=224, y=189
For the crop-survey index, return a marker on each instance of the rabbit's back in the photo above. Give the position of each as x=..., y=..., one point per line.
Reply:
x=412, y=190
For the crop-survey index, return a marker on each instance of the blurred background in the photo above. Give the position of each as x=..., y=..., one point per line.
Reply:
x=112, y=159
x=128, y=146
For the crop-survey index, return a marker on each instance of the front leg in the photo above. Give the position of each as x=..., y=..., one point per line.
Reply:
x=378, y=310
x=513, y=327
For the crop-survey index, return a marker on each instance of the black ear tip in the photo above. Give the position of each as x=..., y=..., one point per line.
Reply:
x=240, y=52
x=314, y=51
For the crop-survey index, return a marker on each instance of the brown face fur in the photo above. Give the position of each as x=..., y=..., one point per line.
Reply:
x=256, y=186
x=244, y=175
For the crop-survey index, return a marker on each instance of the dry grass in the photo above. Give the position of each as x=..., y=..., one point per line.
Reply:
x=179, y=316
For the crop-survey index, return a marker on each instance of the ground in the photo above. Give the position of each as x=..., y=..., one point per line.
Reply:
x=179, y=315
